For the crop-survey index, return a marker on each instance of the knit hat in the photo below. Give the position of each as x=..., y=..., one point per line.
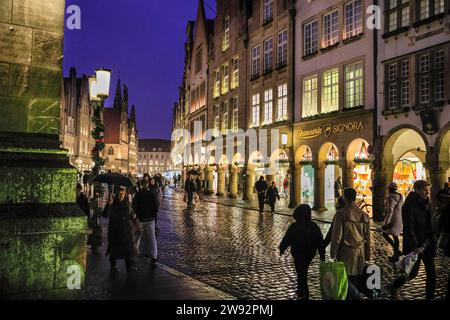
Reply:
x=302, y=212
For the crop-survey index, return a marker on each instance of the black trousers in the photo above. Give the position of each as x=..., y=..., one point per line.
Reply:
x=261, y=199
x=447, y=295
x=430, y=269
x=394, y=242
x=190, y=197
x=302, y=267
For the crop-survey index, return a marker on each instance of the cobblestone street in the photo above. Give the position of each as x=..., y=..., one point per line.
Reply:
x=236, y=250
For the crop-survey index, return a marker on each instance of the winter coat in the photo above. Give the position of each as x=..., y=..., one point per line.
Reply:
x=417, y=225
x=350, y=239
x=146, y=204
x=120, y=235
x=272, y=195
x=305, y=239
x=393, y=214
x=337, y=189
x=261, y=186
x=444, y=212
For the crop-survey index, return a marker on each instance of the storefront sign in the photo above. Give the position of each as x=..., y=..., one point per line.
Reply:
x=429, y=122
x=330, y=129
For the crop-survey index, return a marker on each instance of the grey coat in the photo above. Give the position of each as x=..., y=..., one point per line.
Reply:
x=393, y=214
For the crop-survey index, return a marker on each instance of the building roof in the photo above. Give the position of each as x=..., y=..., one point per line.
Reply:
x=147, y=145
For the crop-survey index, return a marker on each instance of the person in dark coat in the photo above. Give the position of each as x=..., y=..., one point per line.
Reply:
x=120, y=235
x=83, y=201
x=338, y=188
x=190, y=188
x=146, y=206
x=272, y=195
x=261, y=188
x=444, y=229
x=305, y=239
x=418, y=237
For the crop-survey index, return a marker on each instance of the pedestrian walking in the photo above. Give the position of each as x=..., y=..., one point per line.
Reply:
x=120, y=235
x=418, y=238
x=393, y=224
x=261, y=188
x=272, y=195
x=83, y=201
x=189, y=188
x=350, y=238
x=286, y=184
x=199, y=187
x=444, y=232
x=146, y=206
x=305, y=239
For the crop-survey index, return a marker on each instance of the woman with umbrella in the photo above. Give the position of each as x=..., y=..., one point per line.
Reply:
x=120, y=235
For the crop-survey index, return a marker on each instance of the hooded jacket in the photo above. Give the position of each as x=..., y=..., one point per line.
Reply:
x=417, y=225
x=304, y=237
x=146, y=204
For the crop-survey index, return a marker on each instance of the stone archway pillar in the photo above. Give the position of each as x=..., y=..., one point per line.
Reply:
x=249, y=183
x=319, y=187
x=437, y=178
x=297, y=177
x=347, y=174
x=209, y=180
x=234, y=172
x=221, y=181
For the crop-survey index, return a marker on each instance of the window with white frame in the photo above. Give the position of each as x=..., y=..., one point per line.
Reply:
x=330, y=29
x=310, y=38
x=216, y=120
x=225, y=78
x=282, y=48
x=268, y=106
x=424, y=79
x=397, y=14
x=255, y=109
x=226, y=34
x=225, y=118
x=439, y=80
x=354, y=88
x=309, y=101
x=282, y=102
x=353, y=19
x=256, y=60
x=235, y=74
x=391, y=86
x=268, y=10
x=424, y=9
x=439, y=6
x=330, y=91
x=235, y=120
x=404, y=83
x=216, y=91
x=268, y=54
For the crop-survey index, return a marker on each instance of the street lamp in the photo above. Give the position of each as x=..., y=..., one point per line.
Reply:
x=284, y=142
x=98, y=92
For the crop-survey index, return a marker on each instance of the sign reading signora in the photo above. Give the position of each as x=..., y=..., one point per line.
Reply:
x=330, y=129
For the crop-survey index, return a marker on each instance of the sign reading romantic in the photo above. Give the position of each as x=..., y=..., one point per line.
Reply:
x=330, y=129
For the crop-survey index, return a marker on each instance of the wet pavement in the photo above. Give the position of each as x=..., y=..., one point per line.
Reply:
x=236, y=251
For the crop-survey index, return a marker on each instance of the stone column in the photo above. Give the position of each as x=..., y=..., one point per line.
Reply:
x=347, y=174
x=319, y=187
x=209, y=180
x=221, y=181
x=382, y=179
x=202, y=172
x=42, y=230
x=437, y=178
x=249, y=184
x=234, y=171
x=297, y=177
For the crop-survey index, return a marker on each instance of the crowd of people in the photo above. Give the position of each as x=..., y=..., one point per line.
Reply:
x=425, y=233
x=132, y=213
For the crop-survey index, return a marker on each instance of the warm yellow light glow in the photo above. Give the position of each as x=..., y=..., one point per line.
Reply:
x=103, y=82
x=93, y=89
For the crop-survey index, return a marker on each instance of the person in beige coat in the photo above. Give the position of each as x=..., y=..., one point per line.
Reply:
x=350, y=238
x=393, y=223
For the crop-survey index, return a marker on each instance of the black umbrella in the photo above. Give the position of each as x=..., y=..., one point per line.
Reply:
x=115, y=179
x=193, y=172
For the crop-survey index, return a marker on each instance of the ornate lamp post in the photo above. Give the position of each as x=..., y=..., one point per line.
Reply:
x=98, y=91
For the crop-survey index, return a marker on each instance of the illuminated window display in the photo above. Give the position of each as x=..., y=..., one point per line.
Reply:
x=362, y=172
x=408, y=170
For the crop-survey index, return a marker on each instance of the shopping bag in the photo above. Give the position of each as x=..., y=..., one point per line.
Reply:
x=333, y=281
x=406, y=263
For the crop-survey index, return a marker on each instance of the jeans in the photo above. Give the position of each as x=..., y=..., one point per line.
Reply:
x=261, y=199
x=430, y=269
x=301, y=267
x=148, y=240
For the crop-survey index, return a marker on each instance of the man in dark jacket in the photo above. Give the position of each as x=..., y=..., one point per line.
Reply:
x=83, y=201
x=146, y=206
x=305, y=239
x=418, y=237
x=190, y=188
x=272, y=195
x=261, y=187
